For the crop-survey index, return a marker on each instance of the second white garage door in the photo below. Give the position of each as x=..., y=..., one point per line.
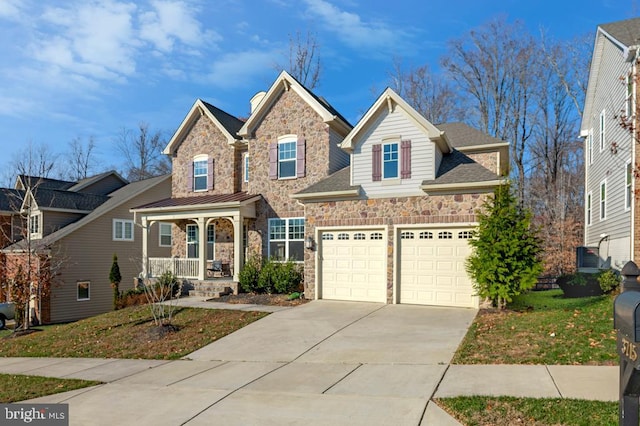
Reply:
x=432, y=267
x=353, y=265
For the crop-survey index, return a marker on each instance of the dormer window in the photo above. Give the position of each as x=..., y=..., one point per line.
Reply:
x=391, y=160
x=201, y=173
x=34, y=225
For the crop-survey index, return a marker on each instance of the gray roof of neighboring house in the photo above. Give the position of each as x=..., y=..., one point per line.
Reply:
x=456, y=167
x=626, y=32
x=462, y=135
x=228, y=121
x=83, y=183
x=67, y=200
x=46, y=183
x=11, y=199
x=114, y=200
x=236, y=197
x=339, y=181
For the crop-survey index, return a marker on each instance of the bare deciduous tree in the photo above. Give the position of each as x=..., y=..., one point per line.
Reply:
x=81, y=156
x=304, y=60
x=429, y=94
x=142, y=153
x=35, y=160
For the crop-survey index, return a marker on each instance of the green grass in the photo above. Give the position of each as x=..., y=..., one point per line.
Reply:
x=14, y=388
x=508, y=411
x=543, y=328
x=128, y=333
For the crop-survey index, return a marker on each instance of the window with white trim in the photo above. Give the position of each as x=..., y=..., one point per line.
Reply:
x=192, y=241
x=287, y=154
x=590, y=146
x=628, y=196
x=200, y=174
x=629, y=104
x=426, y=235
x=406, y=235
x=343, y=236
x=326, y=236
x=602, y=129
x=164, y=230
x=375, y=236
x=465, y=235
x=359, y=236
x=445, y=235
x=83, y=290
x=122, y=230
x=390, y=160
x=211, y=240
x=286, y=239
x=589, y=208
x=245, y=162
x=35, y=223
x=603, y=200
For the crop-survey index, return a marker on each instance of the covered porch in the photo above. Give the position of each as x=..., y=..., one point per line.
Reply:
x=208, y=235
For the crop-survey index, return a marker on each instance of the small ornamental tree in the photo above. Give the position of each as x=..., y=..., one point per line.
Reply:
x=115, y=278
x=506, y=250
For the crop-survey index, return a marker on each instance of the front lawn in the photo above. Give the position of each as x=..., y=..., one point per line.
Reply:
x=128, y=333
x=543, y=328
x=14, y=388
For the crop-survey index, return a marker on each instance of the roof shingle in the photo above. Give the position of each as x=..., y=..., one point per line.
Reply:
x=626, y=32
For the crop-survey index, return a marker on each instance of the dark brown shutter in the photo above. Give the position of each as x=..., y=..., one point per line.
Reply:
x=376, y=162
x=273, y=160
x=300, y=157
x=405, y=159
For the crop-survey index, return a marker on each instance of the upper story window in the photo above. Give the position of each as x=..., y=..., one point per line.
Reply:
x=602, y=129
x=390, y=160
x=629, y=104
x=590, y=146
x=628, y=195
x=603, y=200
x=588, y=213
x=287, y=158
x=200, y=174
x=122, y=230
x=245, y=162
x=165, y=234
x=35, y=225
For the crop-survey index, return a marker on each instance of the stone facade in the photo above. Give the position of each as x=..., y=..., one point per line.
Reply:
x=391, y=212
x=487, y=159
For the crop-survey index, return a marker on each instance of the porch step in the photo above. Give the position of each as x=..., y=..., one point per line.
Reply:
x=208, y=294
x=210, y=290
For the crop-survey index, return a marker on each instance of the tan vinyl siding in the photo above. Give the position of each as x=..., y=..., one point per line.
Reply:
x=88, y=252
x=53, y=221
x=609, y=164
x=395, y=124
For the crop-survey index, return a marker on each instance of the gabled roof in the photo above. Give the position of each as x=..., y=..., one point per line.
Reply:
x=458, y=170
x=87, y=182
x=336, y=185
x=25, y=181
x=116, y=199
x=225, y=122
x=10, y=200
x=461, y=135
x=623, y=34
x=286, y=82
x=391, y=100
x=52, y=199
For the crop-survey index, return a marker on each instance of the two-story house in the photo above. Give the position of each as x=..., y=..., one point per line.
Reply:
x=608, y=120
x=70, y=232
x=378, y=212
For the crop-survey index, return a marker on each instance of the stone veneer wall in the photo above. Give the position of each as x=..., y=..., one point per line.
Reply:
x=223, y=247
x=205, y=138
x=289, y=114
x=447, y=210
x=486, y=159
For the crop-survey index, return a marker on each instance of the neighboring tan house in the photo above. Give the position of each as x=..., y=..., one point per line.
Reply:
x=73, y=230
x=611, y=146
x=378, y=212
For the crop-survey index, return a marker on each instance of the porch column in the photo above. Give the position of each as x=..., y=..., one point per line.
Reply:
x=238, y=249
x=145, y=249
x=202, y=248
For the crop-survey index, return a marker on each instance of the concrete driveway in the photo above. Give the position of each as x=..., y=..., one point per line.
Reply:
x=323, y=363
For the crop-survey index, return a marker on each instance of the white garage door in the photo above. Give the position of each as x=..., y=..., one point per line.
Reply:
x=353, y=265
x=432, y=267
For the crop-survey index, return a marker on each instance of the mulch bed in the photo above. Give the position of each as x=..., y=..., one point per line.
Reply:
x=260, y=299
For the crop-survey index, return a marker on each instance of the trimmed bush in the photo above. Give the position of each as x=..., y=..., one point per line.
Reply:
x=609, y=280
x=289, y=276
x=249, y=275
x=271, y=276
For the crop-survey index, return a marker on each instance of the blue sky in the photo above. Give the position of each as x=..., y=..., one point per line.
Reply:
x=81, y=68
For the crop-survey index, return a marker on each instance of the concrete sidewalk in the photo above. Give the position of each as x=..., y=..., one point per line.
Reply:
x=322, y=363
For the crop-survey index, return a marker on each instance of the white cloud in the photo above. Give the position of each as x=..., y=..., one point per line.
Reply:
x=233, y=70
x=10, y=9
x=354, y=32
x=172, y=21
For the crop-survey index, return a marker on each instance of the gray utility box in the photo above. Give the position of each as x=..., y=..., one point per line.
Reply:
x=626, y=319
x=626, y=315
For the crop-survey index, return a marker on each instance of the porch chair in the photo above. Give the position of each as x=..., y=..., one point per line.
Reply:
x=216, y=268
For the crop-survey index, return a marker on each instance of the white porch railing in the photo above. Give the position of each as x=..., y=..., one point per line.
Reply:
x=180, y=267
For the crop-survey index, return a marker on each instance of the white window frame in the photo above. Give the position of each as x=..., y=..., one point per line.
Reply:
x=602, y=129
x=395, y=160
x=124, y=223
x=290, y=234
x=628, y=179
x=161, y=234
x=35, y=225
x=288, y=140
x=245, y=163
x=83, y=283
x=197, y=166
x=603, y=200
x=195, y=241
x=590, y=147
x=589, y=208
x=211, y=242
x=629, y=101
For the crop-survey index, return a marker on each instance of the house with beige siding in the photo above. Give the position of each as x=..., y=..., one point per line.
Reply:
x=380, y=212
x=609, y=128
x=73, y=229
